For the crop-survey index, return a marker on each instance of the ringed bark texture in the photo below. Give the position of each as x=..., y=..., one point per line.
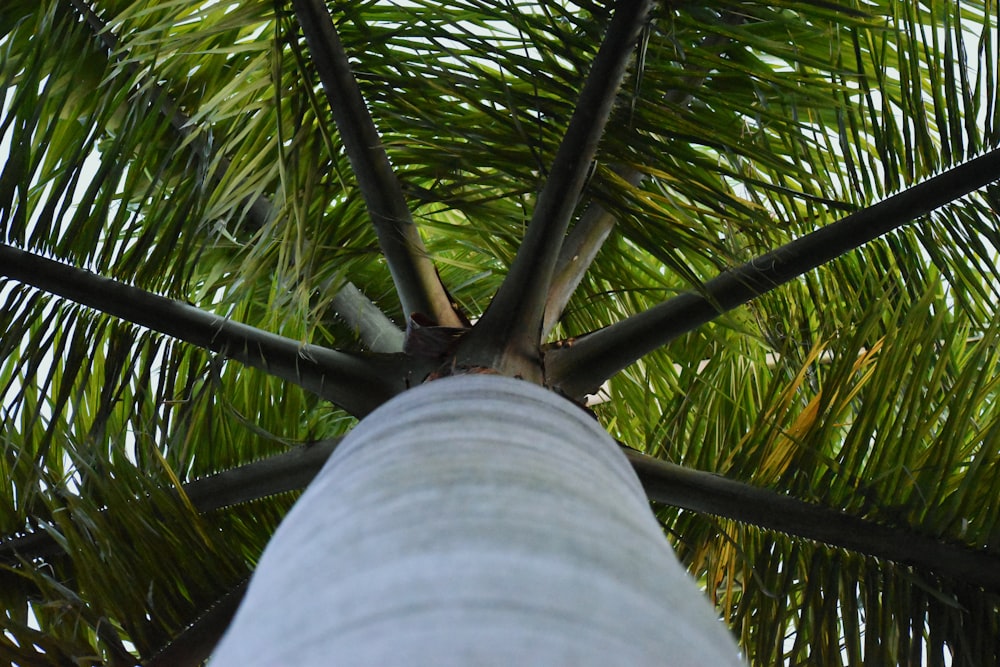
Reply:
x=474, y=520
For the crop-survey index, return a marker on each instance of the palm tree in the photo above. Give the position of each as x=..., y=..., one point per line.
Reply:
x=761, y=238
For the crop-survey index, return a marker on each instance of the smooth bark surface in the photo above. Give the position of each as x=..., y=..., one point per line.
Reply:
x=474, y=520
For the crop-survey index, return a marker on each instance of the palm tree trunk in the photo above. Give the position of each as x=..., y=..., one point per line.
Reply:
x=477, y=520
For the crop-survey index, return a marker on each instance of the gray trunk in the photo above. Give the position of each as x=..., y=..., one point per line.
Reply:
x=474, y=520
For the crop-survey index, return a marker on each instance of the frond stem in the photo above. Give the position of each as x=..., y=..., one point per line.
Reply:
x=708, y=493
x=374, y=329
x=578, y=252
x=511, y=326
x=588, y=235
x=578, y=368
x=417, y=283
x=194, y=645
x=357, y=384
x=289, y=471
